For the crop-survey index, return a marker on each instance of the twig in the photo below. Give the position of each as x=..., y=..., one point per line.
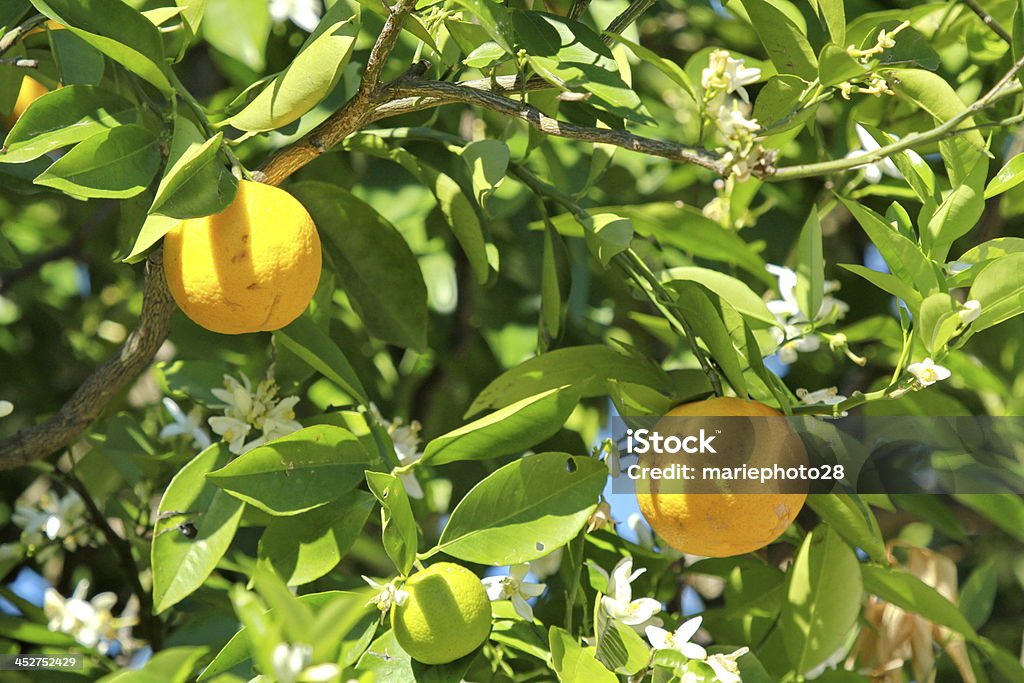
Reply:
x=152, y=626
x=948, y=128
x=15, y=34
x=351, y=117
x=438, y=92
x=989, y=21
x=627, y=17
x=99, y=388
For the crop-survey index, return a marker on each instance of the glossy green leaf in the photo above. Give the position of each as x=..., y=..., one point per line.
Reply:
x=64, y=117
x=115, y=163
x=196, y=182
x=978, y=595
x=399, y=531
x=173, y=665
x=852, y=519
x=823, y=599
x=937, y=321
x=304, y=547
x=378, y=271
x=524, y=510
x=574, y=663
x=810, y=268
x=487, y=161
x=1000, y=289
x=1009, y=176
x=182, y=564
x=307, y=341
x=909, y=592
x=784, y=41
x=705, y=318
x=77, y=61
x=305, y=82
x=735, y=291
x=509, y=430
x=556, y=279
x=607, y=235
x=298, y=472
x=118, y=31
x=587, y=369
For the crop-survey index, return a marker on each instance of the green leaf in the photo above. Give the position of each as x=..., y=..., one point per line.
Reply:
x=64, y=117
x=1009, y=176
x=465, y=224
x=665, y=66
x=735, y=291
x=116, y=163
x=978, y=595
x=487, y=161
x=191, y=379
x=619, y=647
x=305, y=82
x=784, y=41
x=182, y=564
x=571, y=57
x=587, y=369
x=304, y=547
x=1000, y=289
x=399, y=531
x=937, y=321
x=173, y=665
x=852, y=519
x=17, y=628
x=238, y=29
x=909, y=592
x=705, y=318
x=77, y=61
x=196, y=182
x=315, y=347
x=118, y=31
x=378, y=271
x=298, y=472
x=779, y=101
x=525, y=509
x=810, y=268
x=494, y=17
x=511, y=429
x=556, y=280
x=887, y=282
x=574, y=663
x=904, y=258
x=833, y=16
x=607, y=235
x=1005, y=510
x=823, y=599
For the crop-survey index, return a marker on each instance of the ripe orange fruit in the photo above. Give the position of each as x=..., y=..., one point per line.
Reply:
x=252, y=267
x=446, y=616
x=31, y=90
x=723, y=519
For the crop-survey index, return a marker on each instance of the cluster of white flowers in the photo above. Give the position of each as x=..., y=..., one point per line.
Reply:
x=793, y=335
x=291, y=664
x=246, y=410
x=406, y=440
x=388, y=594
x=727, y=106
x=872, y=83
x=640, y=615
x=53, y=518
x=91, y=622
x=516, y=588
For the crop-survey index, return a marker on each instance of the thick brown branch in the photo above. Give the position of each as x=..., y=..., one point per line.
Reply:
x=425, y=94
x=89, y=401
x=351, y=117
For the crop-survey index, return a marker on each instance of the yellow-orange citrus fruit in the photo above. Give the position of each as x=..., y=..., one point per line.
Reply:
x=31, y=90
x=252, y=267
x=726, y=523
x=446, y=616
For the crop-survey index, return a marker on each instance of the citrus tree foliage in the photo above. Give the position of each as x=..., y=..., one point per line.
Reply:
x=531, y=213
